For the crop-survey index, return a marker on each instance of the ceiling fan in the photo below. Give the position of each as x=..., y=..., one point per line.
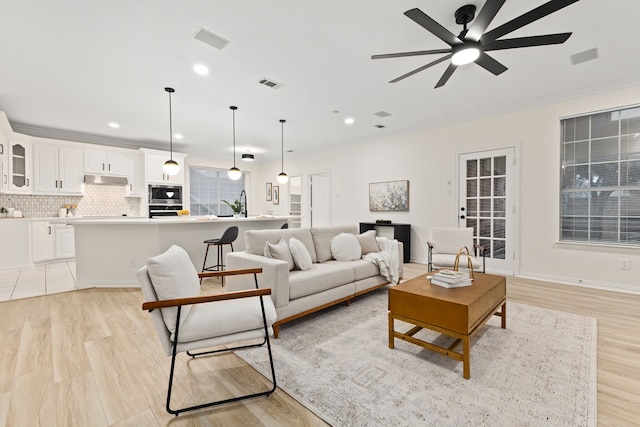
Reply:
x=472, y=44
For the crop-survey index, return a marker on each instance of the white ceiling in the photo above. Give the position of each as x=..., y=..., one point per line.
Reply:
x=74, y=66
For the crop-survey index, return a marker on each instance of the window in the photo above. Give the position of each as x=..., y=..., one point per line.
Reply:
x=209, y=187
x=600, y=178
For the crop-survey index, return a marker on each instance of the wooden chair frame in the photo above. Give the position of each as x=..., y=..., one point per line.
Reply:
x=150, y=306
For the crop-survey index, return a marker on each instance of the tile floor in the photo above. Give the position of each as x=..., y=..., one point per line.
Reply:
x=44, y=279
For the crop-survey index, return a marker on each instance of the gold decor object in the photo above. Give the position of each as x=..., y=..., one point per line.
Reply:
x=464, y=252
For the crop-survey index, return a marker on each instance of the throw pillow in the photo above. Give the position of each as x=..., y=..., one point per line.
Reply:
x=345, y=247
x=173, y=276
x=300, y=255
x=368, y=242
x=279, y=251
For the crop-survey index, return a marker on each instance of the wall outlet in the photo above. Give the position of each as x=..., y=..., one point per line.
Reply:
x=132, y=262
x=625, y=264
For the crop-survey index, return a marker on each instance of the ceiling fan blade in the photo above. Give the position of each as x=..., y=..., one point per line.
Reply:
x=447, y=73
x=490, y=64
x=420, y=18
x=484, y=18
x=527, y=18
x=527, y=41
x=416, y=53
x=424, y=67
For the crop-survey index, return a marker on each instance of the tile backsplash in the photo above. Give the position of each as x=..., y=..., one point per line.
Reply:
x=98, y=200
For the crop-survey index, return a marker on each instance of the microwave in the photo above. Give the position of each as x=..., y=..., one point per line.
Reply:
x=165, y=195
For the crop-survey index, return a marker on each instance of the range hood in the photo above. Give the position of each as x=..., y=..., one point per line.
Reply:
x=105, y=180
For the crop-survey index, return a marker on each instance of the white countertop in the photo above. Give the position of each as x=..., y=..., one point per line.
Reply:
x=164, y=220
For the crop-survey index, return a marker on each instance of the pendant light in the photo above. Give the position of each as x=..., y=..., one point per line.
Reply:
x=282, y=177
x=170, y=167
x=234, y=173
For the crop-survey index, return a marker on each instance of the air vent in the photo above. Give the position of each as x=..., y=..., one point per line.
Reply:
x=585, y=56
x=209, y=38
x=270, y=83
x=382, y=114
x=380, y=126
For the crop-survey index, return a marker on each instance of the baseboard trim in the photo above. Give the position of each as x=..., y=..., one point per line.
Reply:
x=604, y=286
x=85, y=284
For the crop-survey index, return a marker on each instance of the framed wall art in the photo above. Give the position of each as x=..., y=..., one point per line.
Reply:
x=390, y=196
x=276, y=194
x=269, y=194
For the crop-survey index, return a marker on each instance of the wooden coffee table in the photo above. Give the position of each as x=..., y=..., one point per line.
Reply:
x=457, y=312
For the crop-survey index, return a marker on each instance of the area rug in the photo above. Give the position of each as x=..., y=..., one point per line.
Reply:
x=541, y=370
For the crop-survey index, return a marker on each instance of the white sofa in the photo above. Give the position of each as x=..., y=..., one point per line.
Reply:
x=297, y=293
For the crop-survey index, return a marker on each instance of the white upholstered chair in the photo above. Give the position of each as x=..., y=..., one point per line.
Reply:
x=444, y=243
x=186, y=321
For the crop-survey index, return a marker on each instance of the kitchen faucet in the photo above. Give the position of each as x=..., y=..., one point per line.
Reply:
x=245, y=203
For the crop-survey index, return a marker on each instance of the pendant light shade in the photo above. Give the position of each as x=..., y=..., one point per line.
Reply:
x=170, y=167
x=282, y=177
x=234, y=173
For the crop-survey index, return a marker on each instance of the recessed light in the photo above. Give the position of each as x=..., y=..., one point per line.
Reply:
x=201, y=69
x=114, y=125
x=178, y=136
x=349, y=120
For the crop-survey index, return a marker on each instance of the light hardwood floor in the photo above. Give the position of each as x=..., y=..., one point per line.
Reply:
x=92, y=358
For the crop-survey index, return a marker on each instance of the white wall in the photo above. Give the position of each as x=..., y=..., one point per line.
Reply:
x=428, y=159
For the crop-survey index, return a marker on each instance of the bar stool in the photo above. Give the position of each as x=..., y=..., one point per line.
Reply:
x=228, y=237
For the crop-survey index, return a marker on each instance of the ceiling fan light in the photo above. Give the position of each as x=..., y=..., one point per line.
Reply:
x=465, y=55
x=234, y=174
x=171, y=167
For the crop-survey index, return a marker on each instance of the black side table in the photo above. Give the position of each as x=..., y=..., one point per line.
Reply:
x=401, y=232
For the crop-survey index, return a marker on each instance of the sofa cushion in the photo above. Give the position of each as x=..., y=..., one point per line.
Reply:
x=173, y=276
x=345, y=247
x=256, y=239
x=322, y=239
x=368, y=242
x=301, y=257
x=279, y=251
x=319, y=278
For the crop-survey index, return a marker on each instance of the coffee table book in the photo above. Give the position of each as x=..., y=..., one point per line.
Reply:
x=450, y=279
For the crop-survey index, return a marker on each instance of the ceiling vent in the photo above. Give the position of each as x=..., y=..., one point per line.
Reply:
x=382, y=114
x=585, y=56
x=210, y=38
x=270, y=83
x=380, y=126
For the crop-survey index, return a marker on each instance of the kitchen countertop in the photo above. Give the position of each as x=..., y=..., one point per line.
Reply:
x=164, y=220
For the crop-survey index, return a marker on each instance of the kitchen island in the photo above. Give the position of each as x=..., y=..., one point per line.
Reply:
x=109, y=251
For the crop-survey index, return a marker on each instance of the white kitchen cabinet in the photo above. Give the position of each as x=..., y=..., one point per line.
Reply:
x=4, y=174
x=14, y=250
x=42, y=241
x=20, y=163
x=155, y=174
x=65, y=245
x=106, y=162
x=58, y=169
x=51, y=241
x=135, y=187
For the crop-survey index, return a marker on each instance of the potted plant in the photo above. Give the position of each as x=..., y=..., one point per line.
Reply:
x=3, y=212
x=236, y=206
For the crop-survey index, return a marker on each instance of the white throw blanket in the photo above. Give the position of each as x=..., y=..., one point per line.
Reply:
x=387, y=260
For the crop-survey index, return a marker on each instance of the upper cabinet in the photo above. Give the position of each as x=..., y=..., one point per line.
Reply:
x=106, y=162
x=58, y=169
x=155, y=174
x=135, y=186
x=20, y=162
x=4, y=173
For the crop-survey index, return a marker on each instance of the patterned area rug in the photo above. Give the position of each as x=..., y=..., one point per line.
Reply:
x=541, y=370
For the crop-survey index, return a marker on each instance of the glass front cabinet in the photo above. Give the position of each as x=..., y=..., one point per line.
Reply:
x=20, y=164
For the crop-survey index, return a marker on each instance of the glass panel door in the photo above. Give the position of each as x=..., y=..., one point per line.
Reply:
x=487, y=204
